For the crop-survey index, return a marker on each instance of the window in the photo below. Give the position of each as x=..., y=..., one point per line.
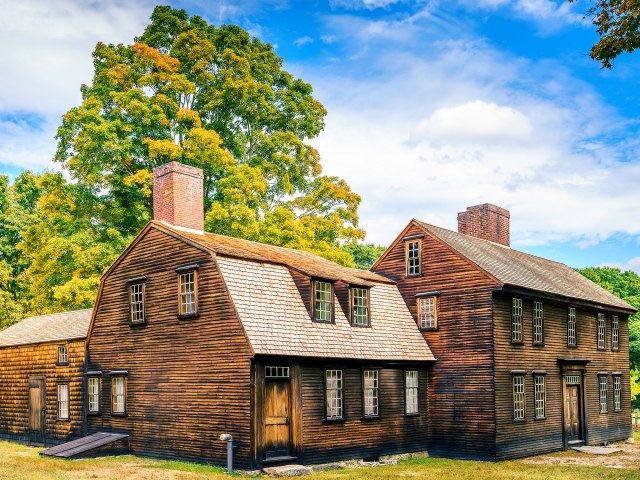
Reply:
x=428, y=312
x=370, y=389
x=516, y=320
x=136, y=302
x=333, y=394
x=602, y=382
x=411, y=392
x=188, y=293
x=360, y=306
x=602, y=332
x=572, y=339
x=617, y=393
x=63, y=355
x=413, y=257
x=63, y=401
x=118, y=394
x=540, y=396
x=93, y=387
x=518, y=397
x=323, y=301
x=538, y=324
x=615, y=333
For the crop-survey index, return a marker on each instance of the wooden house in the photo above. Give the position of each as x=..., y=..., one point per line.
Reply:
x=195, y=335
x=41, y=382
x=532, y=356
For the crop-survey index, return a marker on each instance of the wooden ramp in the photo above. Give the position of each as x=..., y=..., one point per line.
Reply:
x=93, y=445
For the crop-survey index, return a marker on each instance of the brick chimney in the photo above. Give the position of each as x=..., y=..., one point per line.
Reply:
x=178, y=196
x=485, y=221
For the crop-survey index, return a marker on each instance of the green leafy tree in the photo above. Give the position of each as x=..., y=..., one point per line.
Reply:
x=364, y=254
x=618, y=24
x=215, y=98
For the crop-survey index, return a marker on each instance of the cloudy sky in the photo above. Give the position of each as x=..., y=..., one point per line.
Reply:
x=433, y=106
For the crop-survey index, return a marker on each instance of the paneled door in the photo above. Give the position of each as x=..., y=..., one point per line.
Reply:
x=36, y=411
x=573, y=409
x=277, y=418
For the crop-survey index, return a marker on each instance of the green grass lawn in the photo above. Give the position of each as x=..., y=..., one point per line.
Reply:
x=18, y=462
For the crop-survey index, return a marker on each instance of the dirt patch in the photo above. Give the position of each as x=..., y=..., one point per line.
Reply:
x=629, y=457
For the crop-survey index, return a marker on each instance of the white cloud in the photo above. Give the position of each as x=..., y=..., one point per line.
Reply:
x=362, y=4
x=299, y=42
x=632, y=264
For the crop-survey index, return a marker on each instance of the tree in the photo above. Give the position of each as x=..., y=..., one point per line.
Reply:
x=364, y=254
x=618, y=24
x=215, y=98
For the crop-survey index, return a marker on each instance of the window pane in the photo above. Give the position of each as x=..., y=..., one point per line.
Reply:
x=540, y=396
x=63, y=401
x=538, y=315
x=136, y=293
x=615, y=332
x=617, y=393
x=516, y=320
x=411, y=391
x=413, y=258
x=94, y=394
x=323, y=301
x=571, y=327
x=118, y=395
x=63, y=354
x=370, y=387
x=518, y=397
x=333, y=393
x=360, y=306
x=427, y=312
x=602, y=332
x=603, y=394
x=187, y=293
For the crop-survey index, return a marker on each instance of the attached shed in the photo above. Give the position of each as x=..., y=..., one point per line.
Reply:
x=41, y=378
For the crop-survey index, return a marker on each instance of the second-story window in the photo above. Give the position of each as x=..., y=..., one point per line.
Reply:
x=428, y=312
x=322, y=301
x=615, y=333
x=188, y=289
x=516, y=320
x=360, y=306
x=602, y=332
x=136, y=302
x=412, y=254
x=572, y=339
x=63, y=355
x=370, y=389
x=538, y=323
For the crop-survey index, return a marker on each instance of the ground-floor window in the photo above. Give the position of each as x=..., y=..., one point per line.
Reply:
x=94, y=394
x=617, y=392
x=333, y=394
x=518, y=397
x=118, y=395
x=411, y=392
x=540, y=396
x=63, y=401
x=602, y=387
x=371, y=389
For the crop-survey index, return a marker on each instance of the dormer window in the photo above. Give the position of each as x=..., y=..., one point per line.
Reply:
x=188, y=291
x=413, y=250
x=360, y=306
x=322, y=301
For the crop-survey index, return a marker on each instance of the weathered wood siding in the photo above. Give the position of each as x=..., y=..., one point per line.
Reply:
x=461, y=383
x=355, y=437
x=189, y=380
x=19, y=363
x=517, y=439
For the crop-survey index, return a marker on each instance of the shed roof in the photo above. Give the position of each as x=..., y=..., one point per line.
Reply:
x=48, y=328
x=277, y=322
x=518, y=269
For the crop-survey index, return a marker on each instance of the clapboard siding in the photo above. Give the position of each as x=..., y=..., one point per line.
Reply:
x=538, y=436
x=393, y=432
x=461, y=383
x=19, y=363
x=189, y=380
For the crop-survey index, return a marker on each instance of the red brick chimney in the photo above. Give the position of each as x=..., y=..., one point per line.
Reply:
x=485, y=221
x=178, y=196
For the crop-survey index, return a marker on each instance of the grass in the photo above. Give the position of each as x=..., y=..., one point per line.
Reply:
x=18, y=462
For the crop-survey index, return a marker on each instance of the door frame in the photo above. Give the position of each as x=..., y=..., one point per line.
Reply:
x=257, y=426
x=575, y=367
x=43, y=411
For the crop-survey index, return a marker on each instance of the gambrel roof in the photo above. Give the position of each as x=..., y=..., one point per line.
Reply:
x=276, y=320
x=53, y=327
x=518, y=269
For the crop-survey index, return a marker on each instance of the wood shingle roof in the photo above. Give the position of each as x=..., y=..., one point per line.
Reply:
x=48, y=328
x=518, y=269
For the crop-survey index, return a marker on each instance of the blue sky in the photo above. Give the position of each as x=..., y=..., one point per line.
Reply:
x=433, y=106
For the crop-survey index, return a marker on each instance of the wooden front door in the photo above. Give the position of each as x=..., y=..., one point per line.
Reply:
x=36, y=410
x=277, y=419
x=573, y=414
